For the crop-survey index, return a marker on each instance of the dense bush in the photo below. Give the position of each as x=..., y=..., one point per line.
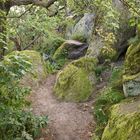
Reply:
x=15, y=122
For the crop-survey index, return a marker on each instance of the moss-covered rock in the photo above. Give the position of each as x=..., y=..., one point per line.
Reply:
x=76, y=81
x=70, y=49
x=52, y=45
x=124, y=122
x=132, y=61
x=38, y=72
x=131, y=77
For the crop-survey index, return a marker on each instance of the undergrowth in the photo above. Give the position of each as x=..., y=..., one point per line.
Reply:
x=109, y=96
x=15, y=122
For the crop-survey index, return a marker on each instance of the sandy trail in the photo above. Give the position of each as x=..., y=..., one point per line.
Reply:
x=67, y=121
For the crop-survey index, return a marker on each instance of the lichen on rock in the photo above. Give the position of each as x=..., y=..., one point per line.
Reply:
x=76, y=81
x=124, y=122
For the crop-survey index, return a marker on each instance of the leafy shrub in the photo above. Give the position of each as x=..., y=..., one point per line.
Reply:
x=104, y=101
x=108, y=97
x=15, y=122
x=115, y=80
x=51, y=67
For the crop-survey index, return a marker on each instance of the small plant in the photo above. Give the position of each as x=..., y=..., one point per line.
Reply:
x=99, y=69
x=51, y=67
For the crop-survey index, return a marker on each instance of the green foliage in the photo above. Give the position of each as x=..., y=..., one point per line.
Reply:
x=35, y=26
x=108, y=97
x=107, y=13
x=115, y=80
x=51, y=67
x=15, y=123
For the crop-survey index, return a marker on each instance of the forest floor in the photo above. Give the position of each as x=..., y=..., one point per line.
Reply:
x=67, y=120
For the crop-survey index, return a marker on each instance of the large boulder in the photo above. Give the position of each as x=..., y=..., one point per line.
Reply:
x=70, y=49
x=124, y=122
x=76, y=81
x=131, y=77
x=83, y=27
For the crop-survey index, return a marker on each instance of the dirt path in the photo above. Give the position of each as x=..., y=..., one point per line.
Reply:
x=67, y=121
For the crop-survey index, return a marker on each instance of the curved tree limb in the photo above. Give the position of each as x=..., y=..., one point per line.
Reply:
x=42, y=3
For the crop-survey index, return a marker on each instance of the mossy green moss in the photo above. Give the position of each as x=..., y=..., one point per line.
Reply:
x=38, y=72
x=52, y=45
x=132, y=62
x=61, y=52
x=76, y=81
x=60, y=55
x=124, y=122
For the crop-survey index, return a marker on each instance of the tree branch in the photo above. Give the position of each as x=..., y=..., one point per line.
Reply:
x=30, y=44
x=42, y=3
x=130, y=7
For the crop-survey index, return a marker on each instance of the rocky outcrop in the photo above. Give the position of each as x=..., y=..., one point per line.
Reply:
x=77, y=80
x=123, y=34
x=124, y=122
x=70, y=49
x=131, y=77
